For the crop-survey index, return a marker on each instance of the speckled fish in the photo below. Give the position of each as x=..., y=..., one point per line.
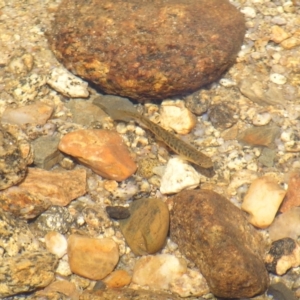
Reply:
x=122, y=109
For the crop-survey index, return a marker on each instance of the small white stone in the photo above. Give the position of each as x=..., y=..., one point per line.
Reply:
x=278, y=78
x=227, y=82
x=249, y=12
x=179, y=175
x=56, y=243
x=263, y=200
x=261, y=119
x=67, y=84
x=63, y=268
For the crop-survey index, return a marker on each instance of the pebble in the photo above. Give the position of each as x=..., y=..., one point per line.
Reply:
x=278, y=34
x=175, y=116
x=267, y=157
x=117, y=279
x=283, y=255
x=222, y=115
x=278, y=78
x=56, y=243
x=263, y=200
x=206, y=233
x=167, y=272
x=261, y=119
x=26, y=272
x=146, y=166
x=146, y=229
x=118, y=212
x=197, y=103
x=64, y=82
x=101, y=150
x=292, y=198
x=286, y=225
x=249, y=12
x=178, y=176
x=92, y=258
x=280, y=291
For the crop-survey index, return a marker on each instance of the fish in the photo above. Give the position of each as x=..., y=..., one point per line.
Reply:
x=122, y=109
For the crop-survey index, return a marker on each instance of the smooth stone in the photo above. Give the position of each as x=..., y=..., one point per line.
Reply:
x=117, y=279
x=206, y=227
x=280, y=291
x=118, y=212
x=267, y=157
x=174, y=51
x=101, y=150
x=146, y=229
x=167, y=272
x=92, y=258
x=292, y=198
x=283, y=255
x=56, y=243
x=222, y=115
x=263, y=200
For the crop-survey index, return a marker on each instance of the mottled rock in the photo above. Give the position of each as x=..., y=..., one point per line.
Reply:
x=279, y=290
x=26, y=272
x=91, y=257
x=197, y=103
x=145, y=231
x=56, y=243
x=117, y=279
x=118, y=212
x=167, y=272
x=146, y=166
x=101, y=150
x=222, y=115
x=292, y=197
x=262, y=201
x=267, y=157
x=283, y=255
x=206, y=227
x=169, y=49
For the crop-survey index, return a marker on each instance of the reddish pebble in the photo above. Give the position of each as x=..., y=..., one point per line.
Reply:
x=117, y=279
x=101, y=150
x=292, y=197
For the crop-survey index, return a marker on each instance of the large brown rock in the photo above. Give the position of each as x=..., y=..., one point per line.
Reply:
x=216, y=236
x=147, y=49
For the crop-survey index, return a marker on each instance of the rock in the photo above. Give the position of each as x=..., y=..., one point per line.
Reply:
x=67, y=84
x=117, y=279
x=197, y=103
x=262, y=201
x=278, y=34
x=26, y=272
x=146, y=166
x=278, y=78
x=91, y=257
x=21, y=65
x=279, y=289
x=260, y=136
x=118, y=212
x=206, y=227
x=286, y=225
x=174, y=50
x=167, y=272
x=178, y=176
x=292, y=198
x=262, y=118
x=101, y=150
x=283, y=255
x=37, y=113
x=15, y=155
x=56, y=243
x=46, y=153
x=222, y=115
x=267, y=157
x=145, y=231
x=175, y=116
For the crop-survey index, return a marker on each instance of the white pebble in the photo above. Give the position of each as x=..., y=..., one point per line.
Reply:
x=278, y=78
x=261, y=119
x=227, y=82
x=56, y=243
x=249, y=12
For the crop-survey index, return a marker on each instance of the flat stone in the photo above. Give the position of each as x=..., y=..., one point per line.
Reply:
x=101, y=150
x=206, y=227
x=169, y=49
x=292, y=198
x=118, y=212
x=91, y=257
x=145, y=231
x=222, y=115
x=279, y=289
x=117, y=279
x=26, y=272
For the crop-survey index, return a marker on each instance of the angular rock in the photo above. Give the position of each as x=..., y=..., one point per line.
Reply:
x=101, y=150
x=117, y=279
x=215, y=235
x=169, y=49
x=26, y=272
x=145, y=231
x=292, y=197
x=91, y=257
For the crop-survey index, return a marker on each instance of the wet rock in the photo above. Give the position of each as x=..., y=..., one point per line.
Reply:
x=197, y=103
x=56, y=243
x=286, y=225
x=101, y=150
x=279, y=290
x=222, y=115
x=174, y=50
x=167, y=272
x=262, y=201
x=118, y=212
x=117, y=279
x=260, y=136
x=283, y=255
x=91, y=257
x=267, y=157
x=146, y=166
x=46, y=153
x=206, y=227
x=292, y=198
x=26, y=272
x=145, y=231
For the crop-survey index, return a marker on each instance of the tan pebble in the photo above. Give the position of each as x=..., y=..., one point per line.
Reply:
x=292, y=198
x=64, y=287
x=91, y=257
x=230, y=133
x=292, y=42
x=56, y=243
x=110, y=185
x=117, y=279
x=101, y=150
x=278, y=34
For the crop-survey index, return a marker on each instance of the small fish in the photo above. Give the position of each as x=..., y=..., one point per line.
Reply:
x=122, y=109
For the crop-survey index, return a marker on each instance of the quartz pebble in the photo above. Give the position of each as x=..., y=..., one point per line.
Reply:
x=167, y=272
x=174, y=115
x=292, y=198
x=178, y=175
x=67, y=84
x=101, y=150
x=91, y=257
x=56, y=243
x=117, y=279
x=278, y=78
x=146, y=229
x=262, y=201
x=261, y=119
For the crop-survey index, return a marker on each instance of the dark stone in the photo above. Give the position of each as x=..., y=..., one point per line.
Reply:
x=147, y=50
x=118, y=212
x=222, y=115
x=215, y=235
x=280, y=291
